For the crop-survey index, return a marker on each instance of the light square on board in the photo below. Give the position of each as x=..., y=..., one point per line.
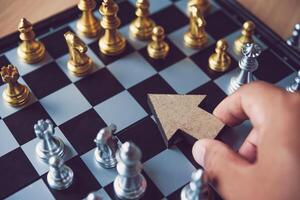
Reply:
x=184, y=76
x=40, y=166
x=224, y=81
x=36, y=190
x=121, y=109
x=23, y=67
x=63, y=64
x=287, y=81
x=136, y=43
x=169, y=170
x=103, y=176
x=131, y=70
x=177, y=38
x=6, y=109
x=65, y=104
x=155, y=5
x=103, y=194
x=7, y=142
x=86, y=40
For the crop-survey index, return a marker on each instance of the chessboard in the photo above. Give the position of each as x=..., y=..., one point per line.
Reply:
x=116, y=92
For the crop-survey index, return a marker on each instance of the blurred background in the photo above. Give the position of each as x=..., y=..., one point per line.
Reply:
x=279, y=15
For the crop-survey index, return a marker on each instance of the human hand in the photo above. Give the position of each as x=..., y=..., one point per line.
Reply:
x=267, y=165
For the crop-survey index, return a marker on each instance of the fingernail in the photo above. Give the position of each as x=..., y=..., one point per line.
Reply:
x=199, y=152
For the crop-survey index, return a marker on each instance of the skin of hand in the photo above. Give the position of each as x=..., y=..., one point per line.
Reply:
x=267, y=165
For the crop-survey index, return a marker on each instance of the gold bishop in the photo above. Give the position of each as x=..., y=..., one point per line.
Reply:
x=158, y=48
x=196, y=36
x=202, y=5
x=15, y=93
x=142, y=26
x=30, y=50
x=79, y=63
x=220, y=60
x=88, y=25
x=245, y=37
x=112, y=42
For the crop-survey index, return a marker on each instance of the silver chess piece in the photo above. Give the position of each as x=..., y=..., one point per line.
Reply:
x=197, y=189
x=93, y=196
x=129, y=183
x=107, y=146
x=295, y=87
x=248, y=64
x=294, y=40
x=59, y=176
x=49, y=145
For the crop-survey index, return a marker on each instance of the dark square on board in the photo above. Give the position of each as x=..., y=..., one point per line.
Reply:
x=153, y=85
x=21, y=123
x=16, y=172
x=173, y=56
x=99, y=86
x=220, y=25
x=46, y=80
x=55, y=43
x=126, y=12
x=85, y=125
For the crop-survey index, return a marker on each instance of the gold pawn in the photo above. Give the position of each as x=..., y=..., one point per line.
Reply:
x=112, y=42
x=196, y=36
x=79, y=63
x=88, y=25
x=30, y=50
x=245, y=37
x=158, y=48
x=142, y=26
x=15, y=93
x=202, y=5
x=220, y=60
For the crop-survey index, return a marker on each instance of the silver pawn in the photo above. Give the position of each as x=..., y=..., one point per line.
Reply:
x=295, y=87
x=294, y=40
x=197, y=189
x=107, y=146
x=248, y=64
x=93, y=196
x=49, y=145
x=59, y=176
x=129, y=183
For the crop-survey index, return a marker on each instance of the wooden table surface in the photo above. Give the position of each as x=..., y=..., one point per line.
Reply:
x=280, y=15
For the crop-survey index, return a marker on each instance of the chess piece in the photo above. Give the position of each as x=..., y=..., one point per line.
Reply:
x=30, y=50
x=195, y=37
x=248, y=64
x=245, y=37
x=198, y=188
x=49, y=145
x=129, y=183
x=79, y=63
x=295, y=87
x=158, y=48
x=107, y=146
x=59, y=176
x=142, y=26
x=112, y=42
x=15, y=94
x=294, y=40
x=88, y=25
x=220, y=60
x=93, y=196
x=202, y=5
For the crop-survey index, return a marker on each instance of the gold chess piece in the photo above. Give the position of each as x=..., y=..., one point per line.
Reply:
x=79, y=63
x=245, y=37
x=196, y=36
x=112, y=42
x=30, y=50
x=220, y=60
x=158, y=48
x=88, y=25
x=142, y=26
x=15, y=94
x=202, y=5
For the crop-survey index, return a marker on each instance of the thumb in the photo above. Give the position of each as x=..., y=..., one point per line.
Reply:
x=223, y=166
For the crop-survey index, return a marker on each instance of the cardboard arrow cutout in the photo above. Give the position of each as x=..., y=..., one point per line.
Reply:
x=173, y=112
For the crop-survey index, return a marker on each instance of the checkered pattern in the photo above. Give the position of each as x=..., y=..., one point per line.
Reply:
x=115, y=92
